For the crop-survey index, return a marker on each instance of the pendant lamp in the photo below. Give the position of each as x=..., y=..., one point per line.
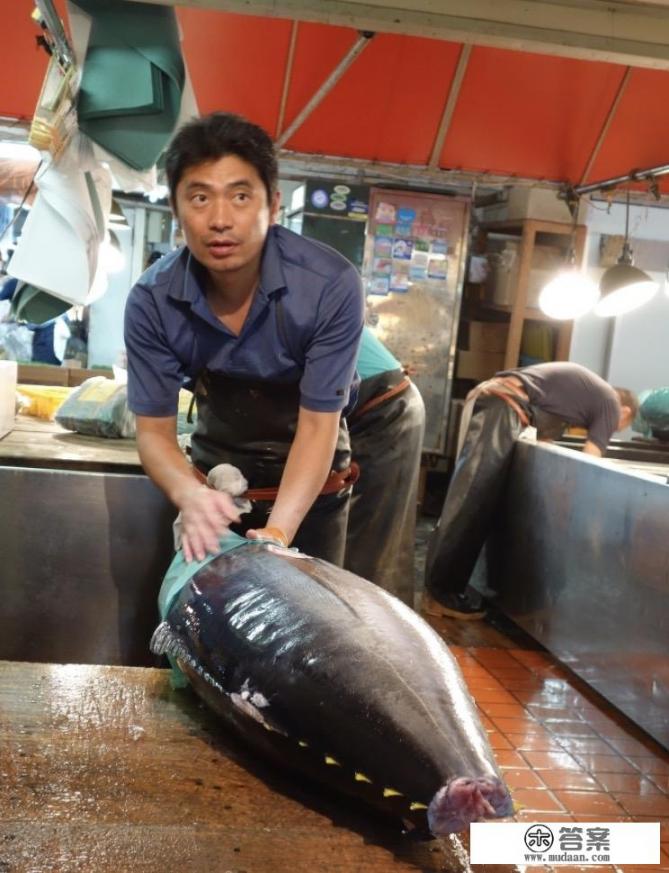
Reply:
x=570, y=294
x=624, y=287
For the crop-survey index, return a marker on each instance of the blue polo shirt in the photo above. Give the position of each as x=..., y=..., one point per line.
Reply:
x=303, y=326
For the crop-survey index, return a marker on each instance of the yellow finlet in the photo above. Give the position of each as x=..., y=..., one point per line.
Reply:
x=360, y=777
x=303, y=743
x=332, y=761
x=416, y=805
x=392, y=792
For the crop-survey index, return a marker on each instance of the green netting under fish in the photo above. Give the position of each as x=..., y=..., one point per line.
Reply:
x=132, y=80
x=178, y=575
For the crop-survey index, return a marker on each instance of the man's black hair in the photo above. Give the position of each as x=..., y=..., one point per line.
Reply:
x=215, y=136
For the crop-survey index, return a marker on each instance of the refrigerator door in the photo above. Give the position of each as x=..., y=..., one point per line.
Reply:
x=412, y=273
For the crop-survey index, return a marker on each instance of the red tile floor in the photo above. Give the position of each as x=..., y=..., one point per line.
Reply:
x=566, y=754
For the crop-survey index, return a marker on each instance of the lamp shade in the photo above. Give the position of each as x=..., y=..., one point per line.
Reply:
x=624, y=288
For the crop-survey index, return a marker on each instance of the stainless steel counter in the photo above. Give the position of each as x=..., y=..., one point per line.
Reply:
x=85, y=539
x=580, y=560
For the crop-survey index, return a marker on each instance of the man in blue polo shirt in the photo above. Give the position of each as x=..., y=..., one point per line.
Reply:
x=264, y=325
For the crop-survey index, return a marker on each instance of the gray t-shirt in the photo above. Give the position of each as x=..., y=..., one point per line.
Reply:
x=572, y=394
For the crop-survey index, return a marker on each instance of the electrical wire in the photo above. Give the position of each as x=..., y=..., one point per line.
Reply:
x=23, y=202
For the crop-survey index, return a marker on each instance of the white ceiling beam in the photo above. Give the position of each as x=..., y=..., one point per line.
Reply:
x=631, y=33
x=356, y=171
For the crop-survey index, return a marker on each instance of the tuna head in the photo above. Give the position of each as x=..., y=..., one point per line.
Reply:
x=327, y=673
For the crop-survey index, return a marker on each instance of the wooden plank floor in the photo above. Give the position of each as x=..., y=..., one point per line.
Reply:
x=108, y=769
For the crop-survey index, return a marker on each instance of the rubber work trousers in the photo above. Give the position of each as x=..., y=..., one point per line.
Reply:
x=386, y=441
x=473, y=495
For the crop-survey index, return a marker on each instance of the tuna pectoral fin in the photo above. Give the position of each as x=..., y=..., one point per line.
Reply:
x=166, y=642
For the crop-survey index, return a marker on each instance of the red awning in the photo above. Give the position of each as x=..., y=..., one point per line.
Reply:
x=516, y=113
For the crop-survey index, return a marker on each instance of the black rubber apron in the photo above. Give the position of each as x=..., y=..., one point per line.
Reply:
x=386, y=442
x=251, y=423
x=473, y=495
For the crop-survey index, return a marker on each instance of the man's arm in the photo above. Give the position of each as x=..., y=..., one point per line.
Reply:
x=307, y=467
x=591, y=449
x=205, y=513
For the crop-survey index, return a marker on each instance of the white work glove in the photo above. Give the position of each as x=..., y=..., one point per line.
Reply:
x=227, y=479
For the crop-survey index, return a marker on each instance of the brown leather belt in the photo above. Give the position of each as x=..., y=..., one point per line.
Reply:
x=337, y=481
x=377, y=401
x=507, y=390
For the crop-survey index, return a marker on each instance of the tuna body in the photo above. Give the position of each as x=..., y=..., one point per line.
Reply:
x=328, y=673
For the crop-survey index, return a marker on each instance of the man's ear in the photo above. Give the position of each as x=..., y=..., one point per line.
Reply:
x=274, y=207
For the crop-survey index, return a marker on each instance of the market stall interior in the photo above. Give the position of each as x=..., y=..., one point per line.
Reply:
x=490, y=177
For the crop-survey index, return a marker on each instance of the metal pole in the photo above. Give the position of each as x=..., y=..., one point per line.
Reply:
x=286, y=77
x=632, y=176
x=451, y=102
x=51, y=21
x=326, y=87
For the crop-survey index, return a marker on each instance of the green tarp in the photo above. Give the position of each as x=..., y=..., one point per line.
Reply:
x=132, y=80
x=34, y=306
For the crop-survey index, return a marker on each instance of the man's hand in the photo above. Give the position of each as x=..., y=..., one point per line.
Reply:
x=205, y=516
x=268, y=535
x=591, y=449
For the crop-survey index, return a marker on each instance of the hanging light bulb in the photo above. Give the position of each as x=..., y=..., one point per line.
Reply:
x=624, y=287
x=569, y=295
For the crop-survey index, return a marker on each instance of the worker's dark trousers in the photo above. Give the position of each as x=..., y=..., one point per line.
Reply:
x=386, y=442
x=473, y=496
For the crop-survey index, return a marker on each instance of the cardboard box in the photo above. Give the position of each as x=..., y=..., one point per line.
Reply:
x=8, y=371
x=488, y=336
x=77, y=375
x=46, y=374
x=547, y=261
x=478, y=365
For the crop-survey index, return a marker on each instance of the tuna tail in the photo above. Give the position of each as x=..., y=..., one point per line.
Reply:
x=462, y=801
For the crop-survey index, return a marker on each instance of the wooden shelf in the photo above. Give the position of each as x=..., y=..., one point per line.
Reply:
x=532, y=313
x=519, y=312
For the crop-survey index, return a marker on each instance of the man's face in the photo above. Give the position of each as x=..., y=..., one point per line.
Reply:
x=224, y=214
x=626, y=418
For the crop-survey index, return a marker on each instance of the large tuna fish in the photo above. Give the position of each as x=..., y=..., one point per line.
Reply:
x=330, y=674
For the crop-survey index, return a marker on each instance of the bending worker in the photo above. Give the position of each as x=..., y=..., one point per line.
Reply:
x=264, y=325
x=386, y=429
x=547, y=396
